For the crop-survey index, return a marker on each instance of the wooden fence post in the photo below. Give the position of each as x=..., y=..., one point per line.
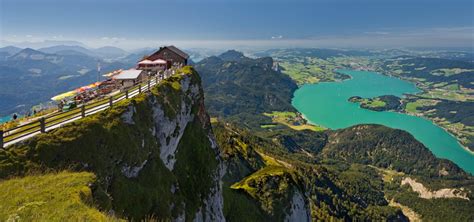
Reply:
x=42, y=125
x=111, y=101
x=139, y=88
x=83, y=110
x=149, y=83
x=126, y=94
x=1, y=139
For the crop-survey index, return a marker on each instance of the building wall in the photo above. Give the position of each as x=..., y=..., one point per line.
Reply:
x=168, y=55
x=152, y=69
x=126, y=83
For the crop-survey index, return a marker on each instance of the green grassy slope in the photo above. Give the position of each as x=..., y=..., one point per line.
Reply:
x=50, y=197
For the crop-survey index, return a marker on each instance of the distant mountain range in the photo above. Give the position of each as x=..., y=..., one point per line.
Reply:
x=108, y=52
x=10, y=50
x=41, y=44
x=65, y=49
x=29, y=77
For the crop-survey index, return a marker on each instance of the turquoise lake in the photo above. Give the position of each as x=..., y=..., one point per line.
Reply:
x=5, y=119
x=327, y=104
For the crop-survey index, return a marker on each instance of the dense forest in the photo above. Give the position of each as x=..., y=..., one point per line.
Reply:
x=241, y=88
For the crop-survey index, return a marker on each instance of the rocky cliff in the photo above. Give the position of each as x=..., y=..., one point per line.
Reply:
x=153, y=156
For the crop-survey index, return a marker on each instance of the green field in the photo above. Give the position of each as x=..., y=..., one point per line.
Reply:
x=411, y=107
x=309, y=69
x=51, y=197
x=373, y=103
x=292, y=120
x=370, y=103
x=449, y=72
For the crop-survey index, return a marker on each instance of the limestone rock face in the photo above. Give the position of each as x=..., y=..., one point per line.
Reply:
x=154, y=155
x=298, y=210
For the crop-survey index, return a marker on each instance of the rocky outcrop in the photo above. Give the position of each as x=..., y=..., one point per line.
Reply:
x=298, y=209
x=169, y=131
x=214, y=203
x=132, y=171
x=425, y=193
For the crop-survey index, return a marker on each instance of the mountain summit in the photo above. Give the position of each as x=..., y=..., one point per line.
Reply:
x=232, y=55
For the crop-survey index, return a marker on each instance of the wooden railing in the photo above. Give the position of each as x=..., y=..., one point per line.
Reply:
x=47, y=123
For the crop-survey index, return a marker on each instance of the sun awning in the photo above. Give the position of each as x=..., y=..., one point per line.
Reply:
x=154, y=62
x=76, y=91
x=88, y=87
x=145, y=62
x=65, y=95
x=111, y=74
x=159, y=61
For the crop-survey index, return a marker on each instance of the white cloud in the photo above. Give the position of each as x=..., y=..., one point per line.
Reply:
x=115, y=40
x=277, y=37
x=377, y=33
x=58, y=37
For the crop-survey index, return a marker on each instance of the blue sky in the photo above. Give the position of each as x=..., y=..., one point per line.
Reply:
x=135, y=23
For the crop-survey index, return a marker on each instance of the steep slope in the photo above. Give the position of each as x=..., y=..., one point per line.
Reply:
x=266, y=182
x=373, y=144
x=241, y=88
x=50, y=197
x=154, y=156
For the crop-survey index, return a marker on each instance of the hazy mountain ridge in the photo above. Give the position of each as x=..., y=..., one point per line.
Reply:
x=59, y=49
x=105, y=52
x=30, y=77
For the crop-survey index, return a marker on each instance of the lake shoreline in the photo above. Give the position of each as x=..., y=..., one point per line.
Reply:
x=404, y=96
x=325, y=104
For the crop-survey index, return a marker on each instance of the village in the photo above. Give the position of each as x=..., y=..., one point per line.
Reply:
x=160, y=64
